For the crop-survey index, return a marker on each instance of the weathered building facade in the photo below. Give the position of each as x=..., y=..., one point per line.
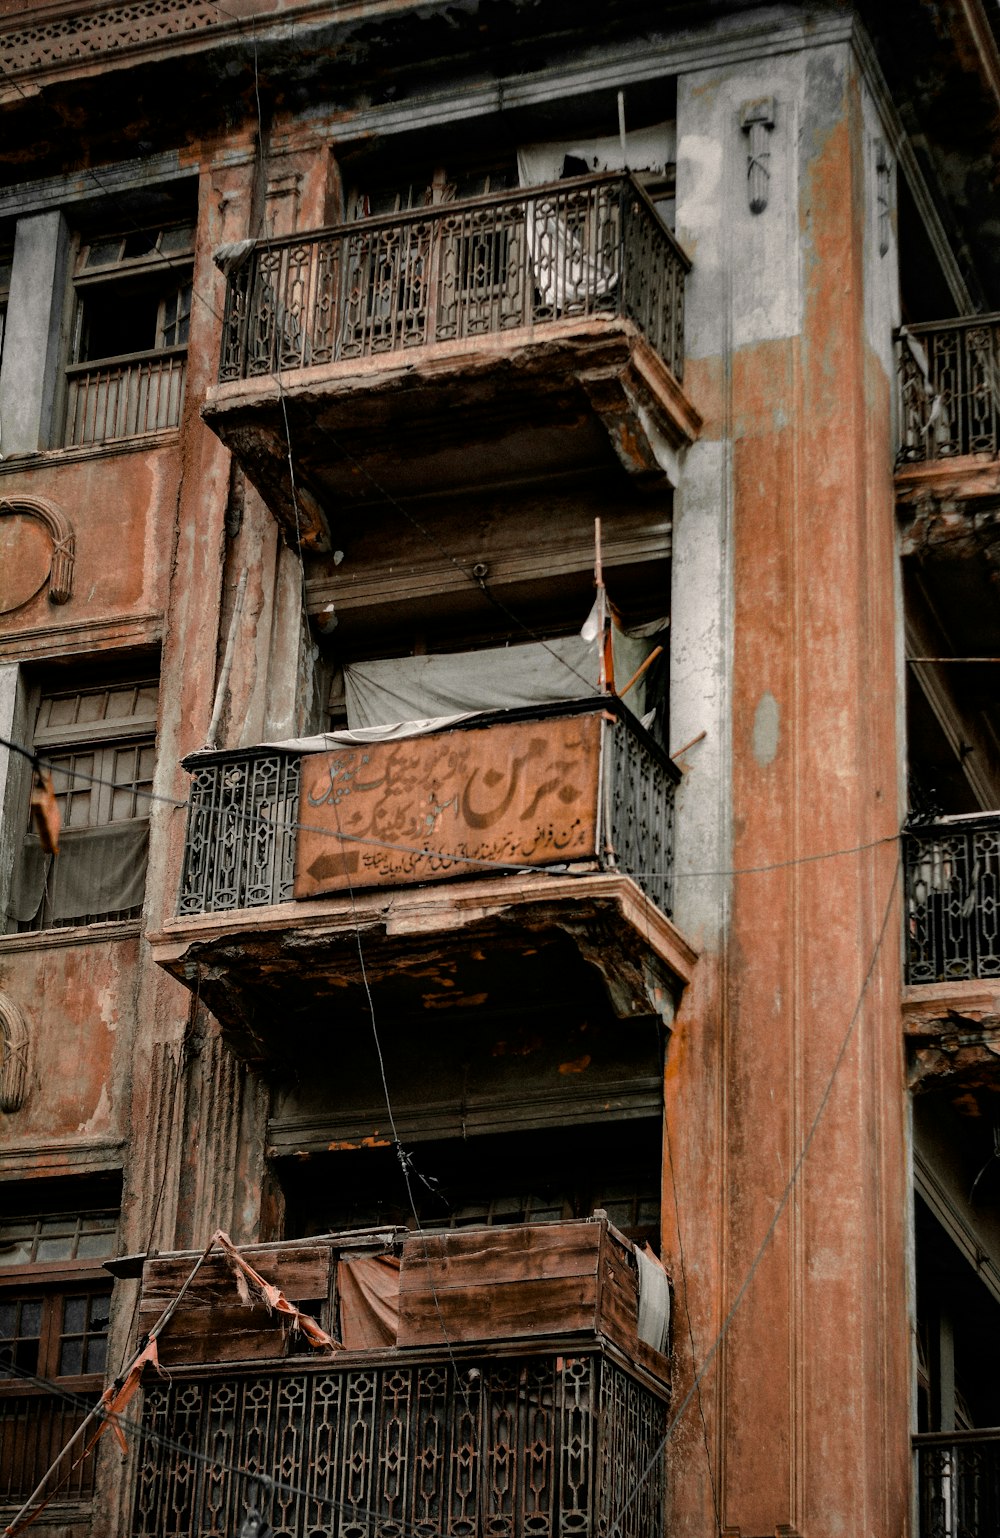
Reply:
x=454, y=944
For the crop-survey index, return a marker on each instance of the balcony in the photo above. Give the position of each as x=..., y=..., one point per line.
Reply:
x=525, y=845
x=958, y=1480
x=953, y=900
x=949, y=376
x=540, y=1411
x=541, y=329
x=951, y=1006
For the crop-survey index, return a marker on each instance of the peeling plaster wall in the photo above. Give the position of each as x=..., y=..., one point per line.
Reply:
x=80, y=1007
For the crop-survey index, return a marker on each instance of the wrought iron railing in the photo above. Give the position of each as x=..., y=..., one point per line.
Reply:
x=949, y=376
x=953, y=900
x=124, y=398
x=641, y=820
x=587, y=247
x=517, y=1447
x=240, y=845
x=958, y=1483
x=244, y=810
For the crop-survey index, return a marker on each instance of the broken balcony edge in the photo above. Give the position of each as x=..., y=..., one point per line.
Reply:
x=425, y=911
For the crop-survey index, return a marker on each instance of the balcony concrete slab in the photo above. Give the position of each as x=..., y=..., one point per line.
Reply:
x=560, y=397
x=270, y=973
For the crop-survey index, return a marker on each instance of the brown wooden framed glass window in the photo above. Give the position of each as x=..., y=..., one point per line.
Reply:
x=133, y=291
x=55, y=1300
x=99, y=742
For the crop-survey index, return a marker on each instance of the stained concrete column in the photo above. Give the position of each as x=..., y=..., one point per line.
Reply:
x=786, y=626
x=34, y=343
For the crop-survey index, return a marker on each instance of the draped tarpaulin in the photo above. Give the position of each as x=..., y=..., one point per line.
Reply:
x=97, y=871
x=499, y=678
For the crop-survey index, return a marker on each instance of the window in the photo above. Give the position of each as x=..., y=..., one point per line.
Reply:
x=130, y=334
x=100, y=744
x=55, y=1300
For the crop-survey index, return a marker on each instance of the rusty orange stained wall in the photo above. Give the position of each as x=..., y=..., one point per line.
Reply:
x=806, y=1407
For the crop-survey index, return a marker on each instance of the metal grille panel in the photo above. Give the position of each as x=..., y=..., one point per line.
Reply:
x=641, y=814
x=240, y=846
x=543, y=1447
x=959, y=1485
x=953, y=901
x=456, y=270
x=950, y=389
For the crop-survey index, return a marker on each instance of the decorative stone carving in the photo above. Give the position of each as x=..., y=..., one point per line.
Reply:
x=13, y=1054
x=757, y=122
x=24, y=579
x=70, y=39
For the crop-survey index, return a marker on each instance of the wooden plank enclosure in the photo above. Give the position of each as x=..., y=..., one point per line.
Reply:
x=212, y=1323
x=518, y=1283
x=485, y=1286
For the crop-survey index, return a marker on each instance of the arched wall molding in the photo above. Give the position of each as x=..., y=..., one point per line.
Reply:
x=62, y=535
x=13, y=1054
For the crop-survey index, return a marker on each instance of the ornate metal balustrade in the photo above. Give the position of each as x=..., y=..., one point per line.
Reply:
x=546, y=1446
x=586, y=247
x=958, y=1480
x=127, y=398
x=240, y=845
x=641, y=820
x=953, y=900
x=244, y=811
x=949, y=376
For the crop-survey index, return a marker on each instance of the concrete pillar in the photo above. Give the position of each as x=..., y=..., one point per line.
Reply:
x=786, y=626
x=34, y=343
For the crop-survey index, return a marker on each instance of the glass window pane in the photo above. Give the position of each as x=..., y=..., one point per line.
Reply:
x=100, y=1311
x=103, y=253
x=16, y=1243
x=8, y=1320
x=120, y=703
x=93, y=706
x=96, y=1355
x=74, y=1316
x=70, y=1357
x=97, y=1245
x=180, y=238
x=31, y=1317
x=57, y=1247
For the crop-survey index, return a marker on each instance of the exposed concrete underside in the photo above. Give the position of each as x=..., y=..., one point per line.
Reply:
x=453, y=414
x=271, y=974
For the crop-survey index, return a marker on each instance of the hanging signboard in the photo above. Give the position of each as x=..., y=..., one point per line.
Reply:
x=471, y=802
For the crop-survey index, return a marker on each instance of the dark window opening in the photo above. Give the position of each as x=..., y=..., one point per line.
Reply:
x=133, y=302
x=958, y=1335
x=546, y=1176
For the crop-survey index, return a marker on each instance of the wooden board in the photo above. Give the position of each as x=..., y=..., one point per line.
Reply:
x=519, y=792
x=516, y=1283
x=212, y=1324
